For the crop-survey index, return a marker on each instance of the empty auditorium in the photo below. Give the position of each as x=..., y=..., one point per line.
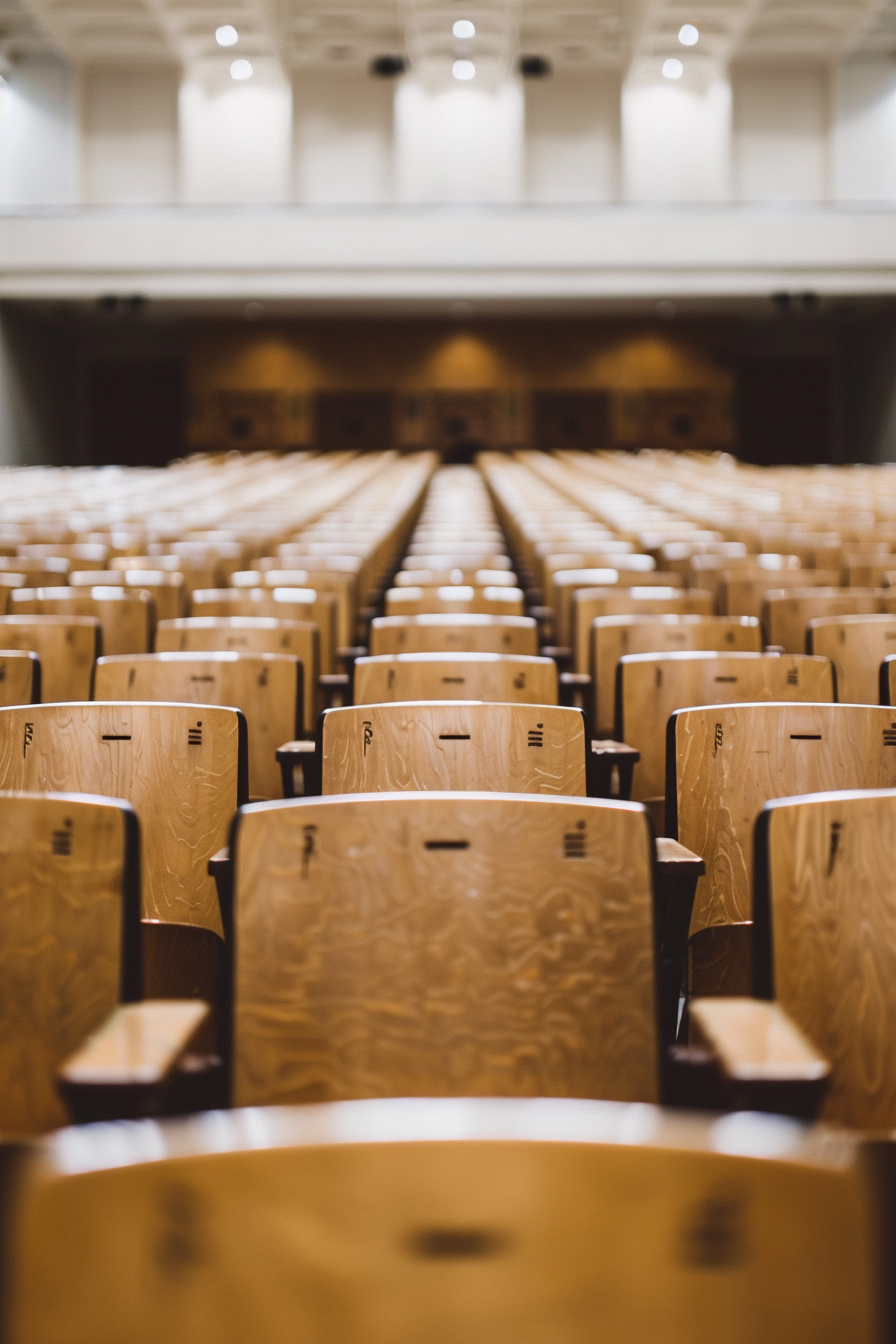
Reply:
x=448, y=672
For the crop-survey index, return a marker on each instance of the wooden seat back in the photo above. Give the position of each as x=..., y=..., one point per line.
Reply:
x=69, y=939
x=459, y=676
x=725, y=762
x=182, y=769
x=462, y=744
x=650, y=687
x=824, y=911
x=342, y=584
x=454, y=633
x=786, y=613
x=291, y=604
x=490, y=601
x=125, y=616
x=857, y=646
x=167, y=590
x=438, y=578
x=19, y=677
x=265, y=687
x=565, y=584
x=80, y=555
x=67, y=647
x=443, y=944
x=615, y=636
x=248, y=634
x=741, y=591
x=590, y=603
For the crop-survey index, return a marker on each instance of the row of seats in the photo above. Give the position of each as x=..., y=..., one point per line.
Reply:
x=453, y=902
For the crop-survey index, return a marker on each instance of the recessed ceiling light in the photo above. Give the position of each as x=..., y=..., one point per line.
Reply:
x=688, y=35
x=673, y=68
x=241, y=70
x=464, y=28
x=226, y=35
x=463, y=70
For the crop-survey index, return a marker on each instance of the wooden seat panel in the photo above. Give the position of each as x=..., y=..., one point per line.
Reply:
x=459, y=676
x=67, y=647
x=857, y=646
x=19, y=676
x=450, y=633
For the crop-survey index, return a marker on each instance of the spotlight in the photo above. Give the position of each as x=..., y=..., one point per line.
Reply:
x=688, y=35
x=463, y=70
x=673, y=68
x=226, y=35
x=241, y=70
x=464, y=28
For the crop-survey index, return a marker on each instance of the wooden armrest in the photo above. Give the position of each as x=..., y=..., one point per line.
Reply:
x=605, y=758
x=678, y=870
x=670, y=851
x=126, y=1067
x=336, y=689
x=765, y=1061
x=574, y=688
x=299, y=755
x=561, y=655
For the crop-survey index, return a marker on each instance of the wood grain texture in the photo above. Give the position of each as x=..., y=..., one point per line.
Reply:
x=66, y=646
x=459, y=676
x=831, y=860
x=615, y=636
x=125, y=616
x=247, y=634
x=565, y=583
x=731, y=759
x=654, y=686
x=856, y=645
x=474, y=1221
x=167, y=590
x=590, y=603
x=786, y=614
x=444, y=945
x=184, y=790
x=264, y=686
x=19, y=676
x=453, y=745
x=289, y=604
x=489, y=601
x=454, y=634
x=341, y=583
x=741, y=591
x=62, y=865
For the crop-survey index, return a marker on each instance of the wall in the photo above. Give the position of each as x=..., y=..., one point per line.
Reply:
x=676, y=135
x=780, y=133
x=572, y=137
x=129, y=136
x=342, y=138
x=39, y=135
x=235, y=138
x=459, y=144
x=863, y=147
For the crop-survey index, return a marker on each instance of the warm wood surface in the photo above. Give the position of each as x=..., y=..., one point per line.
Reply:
x=291, y=604
x=184, y=791
x=444, y=945
x=138, y=1043
x=488, y=601
x=856, y=645
x=459, y=676
x=342, y=584
x=754, y=1040
x=125, y=616
x=731, y=759
x=655, y=685
x=786, y=614
x=615, y=636
x=831, y=860
x=453, y=745
x=62, y=872
x=454, y=634
x=589, y=603
x=437, y=578
x=66, y=646
x=741, y=591
x=265, y=686
x=19, y=676
x=565, y=583
x=487, y=1222
x=248, y=634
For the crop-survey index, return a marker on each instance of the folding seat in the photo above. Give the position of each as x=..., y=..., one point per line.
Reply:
x=296, y=604
x=343, y=586
x=561, y=593
x=451, y=632
x=80, y=555
x=615, y=636
x=19, y=677
x=265, y=687
x=824, y=911
x=166, y=588
x=458, y=676
x=786, y=613
x=590, y=603
x=438, y=578
x=196, y=573
x=182, y=767
x=496, y=600
x=857, y=646
x=66, y=646
x=725, y=762
x=398, y=1221
x=37, y=572
x=248, y=634
x=125, y=616
x=650, y=687
x=741, y=591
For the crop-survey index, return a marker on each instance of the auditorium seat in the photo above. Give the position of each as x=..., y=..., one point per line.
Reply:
x=456, y=597
x=589, y=604
x=786, y=613
x=125, y=616
x=19, y=677
x=166, y=588
x=458, y=676
x=291, y=604
x=857, y=646
x=741, y=592
x=265, y=687
x=454, y=633
x=67, y=647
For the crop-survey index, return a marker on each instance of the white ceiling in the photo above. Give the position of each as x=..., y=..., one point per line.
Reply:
x=590, y=34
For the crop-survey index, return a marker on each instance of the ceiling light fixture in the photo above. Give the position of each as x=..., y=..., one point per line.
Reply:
x=464, y=28
x=463, y=70
x=226, y=35
x=673, y=68
x=688, y=35
x=241, y=70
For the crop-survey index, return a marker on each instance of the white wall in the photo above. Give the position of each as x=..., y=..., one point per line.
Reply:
x=459, y=144
x=342, y=137
x=781, y=118
x=676, y=134
x=235, y=138
x=572, y=136
x=39, y=136
x=863, y=148
x=129, y=131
